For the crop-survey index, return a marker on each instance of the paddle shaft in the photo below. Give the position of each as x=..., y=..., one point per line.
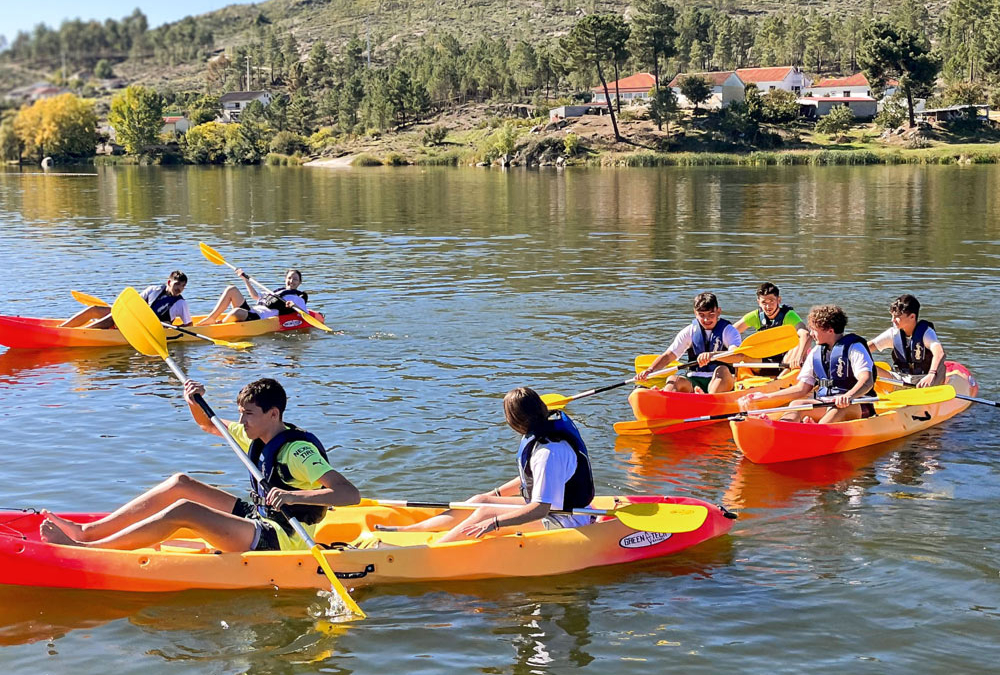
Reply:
x=904, y=383
x=478, y=505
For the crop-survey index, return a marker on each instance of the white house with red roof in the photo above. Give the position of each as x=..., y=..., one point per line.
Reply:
x=854, y=85
x=632, y=88
x=175, y=124
x=788, y=78
x=727, y=87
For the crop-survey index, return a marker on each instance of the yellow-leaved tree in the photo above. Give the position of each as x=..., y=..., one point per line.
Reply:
x=63, y=127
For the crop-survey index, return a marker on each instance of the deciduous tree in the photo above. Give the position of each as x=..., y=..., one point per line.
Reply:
x=137, y=117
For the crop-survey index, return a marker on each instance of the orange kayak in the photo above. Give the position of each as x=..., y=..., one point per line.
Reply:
x=654, y=404
x=22, y=332
x=368, y=557
x=771, y=440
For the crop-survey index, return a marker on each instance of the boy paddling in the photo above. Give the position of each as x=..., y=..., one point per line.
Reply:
x=165, y=300
x=917, y=355
x=772, y=313
x=701, y=339
x=300, y=483
x=839, y=367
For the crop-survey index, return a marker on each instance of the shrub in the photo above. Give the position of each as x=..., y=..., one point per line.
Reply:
x=395, y=159
x=779, y=107
x=571, y=144
x=837, y=120
x=364, y=159
x=893, y=113
x=435, y=135
x=287, y=143
x=323, y=139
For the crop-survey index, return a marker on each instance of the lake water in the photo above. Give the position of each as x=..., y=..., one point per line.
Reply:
x=447, y=288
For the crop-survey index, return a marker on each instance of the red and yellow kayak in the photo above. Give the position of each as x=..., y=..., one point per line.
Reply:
x=22, y=332
x=371, y=557
x=771, y=440
x=654, y=404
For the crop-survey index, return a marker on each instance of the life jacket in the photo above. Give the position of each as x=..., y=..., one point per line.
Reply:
x=276, y=299
x=714, y=344
x=162, y=303
x=910, y=355
x=276, y=475
x=832, y=367
x=579, y=490
x=765, y=323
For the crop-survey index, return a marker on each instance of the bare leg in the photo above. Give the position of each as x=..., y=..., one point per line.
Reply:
x=231, y=297
x=223, y=531
x=722, y=381
x=455, y=534
x=678, y=383
x=177, y=487
x=452, y=517
x=851, y=412
x=86, y=315
x=797, y=415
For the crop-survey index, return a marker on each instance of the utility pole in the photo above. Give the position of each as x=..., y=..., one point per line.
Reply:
x=368, y=42
x=247, y=57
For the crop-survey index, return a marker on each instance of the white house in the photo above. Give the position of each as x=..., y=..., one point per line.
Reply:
x=175, y=124
x=632, y=88
x=819, y=106
x=855, y=85
x=788, y=78
x=727, y=87
x=236, y=102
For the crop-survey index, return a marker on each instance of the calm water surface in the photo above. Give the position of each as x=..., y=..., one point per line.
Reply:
x=448, y=287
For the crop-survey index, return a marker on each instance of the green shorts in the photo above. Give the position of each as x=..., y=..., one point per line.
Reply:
x=698, y=381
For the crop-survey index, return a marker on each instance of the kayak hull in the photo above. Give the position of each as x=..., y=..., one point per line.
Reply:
x=654, y=404
x=19, y=332
x=380, y=557
x=771, y=440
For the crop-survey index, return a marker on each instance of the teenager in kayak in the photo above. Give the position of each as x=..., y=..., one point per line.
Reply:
x=770, y=313
x=917, y=354
x=704, y=336
x=165, y=299
x=554, y=473
x=281, y=301
x=839, y=367
x=299, y=483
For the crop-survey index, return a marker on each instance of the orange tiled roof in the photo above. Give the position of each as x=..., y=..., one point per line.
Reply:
x=637, y=82
x=756, y=75
x=716, y=78
x=855, y=80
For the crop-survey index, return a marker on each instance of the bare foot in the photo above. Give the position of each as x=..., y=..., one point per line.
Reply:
x=69, y=528
x=51, y=534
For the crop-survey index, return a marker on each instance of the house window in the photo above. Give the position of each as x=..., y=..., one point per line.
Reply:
x=237, y=104
x=771, y=88
x=797, y=90
x=847, y=93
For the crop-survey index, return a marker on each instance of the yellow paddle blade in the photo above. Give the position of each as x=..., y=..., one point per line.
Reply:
x=644, y=361
x=925, y=396
x=313, y=321
x=211, y=254
x=338, y=587
x=87, y=299
x=233, y=345
x=642, y=427
x=555, y=401
x=659, y=517
x=770, y=342
x=138, y=324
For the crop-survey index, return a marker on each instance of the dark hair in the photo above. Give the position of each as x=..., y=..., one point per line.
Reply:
x=767, y=288
x=827, y=317
x=525, y=411
x=177, y=275
x=905, y=304
x=705, y=302
x=292, y=269
x=265, y=394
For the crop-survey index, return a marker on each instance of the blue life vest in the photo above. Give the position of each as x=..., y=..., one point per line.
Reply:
x=276, y=475
x=909, y=354
x=765, y=323
x=162, y=303
x=832, y=367
x=579, y=490
x=276, y=299
x=710, y=342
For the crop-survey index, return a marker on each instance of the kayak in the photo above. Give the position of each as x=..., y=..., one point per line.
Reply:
x=768, y=439
x=25, y=332
x=369, y=557
x=654, y=404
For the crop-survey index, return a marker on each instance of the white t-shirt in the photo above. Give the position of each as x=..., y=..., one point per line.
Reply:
x=179, y=310
x=861, y=362
x=730, y=338
x=884, y=340
x=552, y=466
x=266, y=312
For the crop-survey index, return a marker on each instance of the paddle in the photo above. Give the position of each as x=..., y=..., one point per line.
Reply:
x=142, y=329
x=213, y=256
x=903, y=383
x=643, y=516
x=903, y=397
x=92, y=301
x=759, y=345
